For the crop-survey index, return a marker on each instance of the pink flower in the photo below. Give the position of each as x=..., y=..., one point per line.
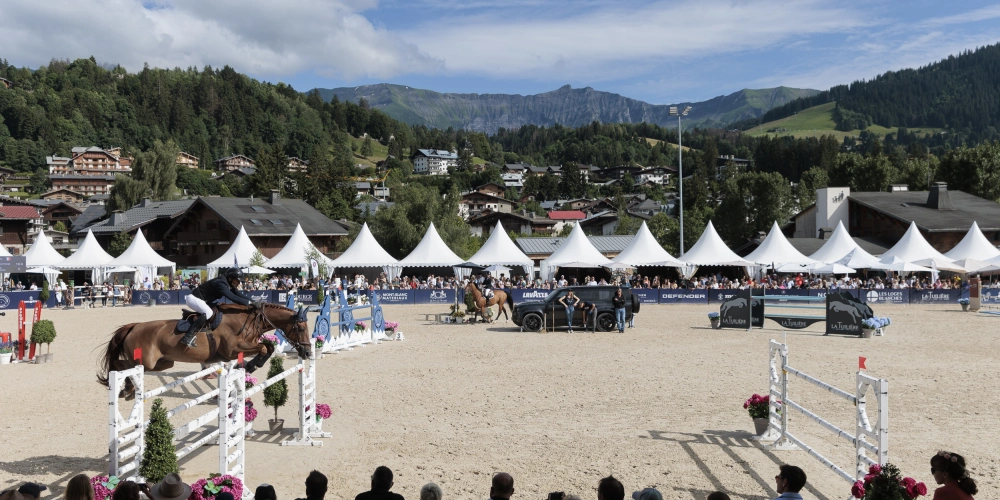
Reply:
x=920, y=489
x=101, y=492
x=226, y=483
x=869, y=478
x=323, y=410
x=858, y=490
x=908, y=482
x=249, y=412
x=875, y=469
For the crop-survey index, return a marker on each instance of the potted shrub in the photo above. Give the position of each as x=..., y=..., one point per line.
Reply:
x=758, y=408
x=964, y=301
x=885, y=482
x=276, y=396
x=43, y=332
x=160, y=457
x=714, y=318
x=207, y=489
x=457, y=314
x=6, y=352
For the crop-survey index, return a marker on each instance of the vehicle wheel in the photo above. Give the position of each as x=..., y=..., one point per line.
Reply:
x=605, y=322
x=635, y=303
x=532, y=322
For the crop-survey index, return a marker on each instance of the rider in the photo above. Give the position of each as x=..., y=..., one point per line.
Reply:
x=209, y=292
x=489, y=283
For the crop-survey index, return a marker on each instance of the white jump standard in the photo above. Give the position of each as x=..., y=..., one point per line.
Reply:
x=866, y=439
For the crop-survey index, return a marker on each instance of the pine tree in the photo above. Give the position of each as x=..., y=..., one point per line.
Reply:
x=160, y=457
x=366, y=147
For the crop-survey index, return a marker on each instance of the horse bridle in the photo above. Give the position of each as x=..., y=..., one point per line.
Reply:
x=259, y=316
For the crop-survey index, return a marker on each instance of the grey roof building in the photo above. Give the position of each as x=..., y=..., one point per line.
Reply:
x=138, y=216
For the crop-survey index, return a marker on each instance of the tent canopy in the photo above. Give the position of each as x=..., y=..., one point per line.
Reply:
x=295, y=253
x=89, y=255
x=644, y=250
x=897, y=264
x=575, y=251
x=142, y=257
x=42, y=253
x=432, y=251
x=776, y=250
x=242, y=249
x=913, y=247
x=859, y=259
x=973, y=246
x=365, y=252
x=710, y=250
x=500, y=249
x=839, y=245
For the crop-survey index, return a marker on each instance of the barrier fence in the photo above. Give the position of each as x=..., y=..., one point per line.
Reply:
x=126, y=435
x=9, y=300
x=866, y=438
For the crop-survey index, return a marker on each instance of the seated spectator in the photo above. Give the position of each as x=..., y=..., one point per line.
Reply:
x=430, y=491
x=610, y=489
x=31, y=490
x=129, y=490
x=79, y=488
x=381, y=484
x=717, y=495
x=502, y=487
x=315, y=486
x=949, y=470
x=789, y=481
x=647, y=494
x=265, y=492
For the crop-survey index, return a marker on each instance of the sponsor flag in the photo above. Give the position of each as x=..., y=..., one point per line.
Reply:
x=20, y=331
x=236, y=263
x=861, y=362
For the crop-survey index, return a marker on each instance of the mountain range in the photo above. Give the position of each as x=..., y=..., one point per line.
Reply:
x=564, y=106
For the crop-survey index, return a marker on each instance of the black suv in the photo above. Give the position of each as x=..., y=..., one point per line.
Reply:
x=531, y=315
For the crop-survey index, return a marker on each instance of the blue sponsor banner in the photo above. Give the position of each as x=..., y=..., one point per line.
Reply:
x=717, y=296
x=934, y=296
x=647, y=295
x=683, y=296
x=433, y=296
x=990, y=296
x=143, y=297
x=529, y=294
x=794, y=292
x=395, y=296
x=886, y=296
x=10, y=300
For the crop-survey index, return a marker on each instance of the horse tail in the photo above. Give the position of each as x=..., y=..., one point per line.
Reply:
x=510, y=300
x=115, y=351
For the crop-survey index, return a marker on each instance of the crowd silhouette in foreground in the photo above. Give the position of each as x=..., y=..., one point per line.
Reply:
x=948, y=468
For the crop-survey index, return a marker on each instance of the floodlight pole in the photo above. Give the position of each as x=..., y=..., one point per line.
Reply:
x=680, y=167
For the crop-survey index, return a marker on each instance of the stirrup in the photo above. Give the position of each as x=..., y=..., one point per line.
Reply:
x=189, y=340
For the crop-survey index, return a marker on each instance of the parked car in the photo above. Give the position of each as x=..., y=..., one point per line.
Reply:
x=550, y=314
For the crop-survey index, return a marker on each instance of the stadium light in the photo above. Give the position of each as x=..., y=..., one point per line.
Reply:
x=680, y=166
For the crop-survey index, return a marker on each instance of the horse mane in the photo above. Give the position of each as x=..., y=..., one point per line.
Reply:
x=236, y=308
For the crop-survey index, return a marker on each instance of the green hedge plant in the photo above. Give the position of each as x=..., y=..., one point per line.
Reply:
x=160, y=457
x=43, y=332
x=277, y=395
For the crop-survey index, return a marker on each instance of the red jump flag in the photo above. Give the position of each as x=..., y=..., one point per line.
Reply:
x=239, y=359
x=137, y=354
x=861, y=362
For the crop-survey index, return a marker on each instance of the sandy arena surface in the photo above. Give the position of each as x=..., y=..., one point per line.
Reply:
x=660, y=405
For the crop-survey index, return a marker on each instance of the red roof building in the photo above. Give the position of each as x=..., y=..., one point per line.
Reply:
x=567, y=215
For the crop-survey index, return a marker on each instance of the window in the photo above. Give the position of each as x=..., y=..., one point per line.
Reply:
x=277, y=222
x=256, y=208
x=255, y=222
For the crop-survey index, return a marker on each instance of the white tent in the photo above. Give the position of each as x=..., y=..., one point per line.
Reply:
x=897, y=264
x=42, y=254
x=973, y=246
x=835, y=248
x=644, y=250
x=974, y=265
x=913, y=247
x=242, y=248
x=775, y=250
x=710, y=250
x=575, y=251
x=296, y=252
x=817, y=268
x=366, y=252
x=89, y=256
x=859, y=259
x=940, y=264
x=142, y=257
x=432, y=251
x=499, y=249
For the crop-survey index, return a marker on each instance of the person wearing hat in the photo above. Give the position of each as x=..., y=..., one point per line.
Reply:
x=32, y=490
x=171, y=488
x=647, y=494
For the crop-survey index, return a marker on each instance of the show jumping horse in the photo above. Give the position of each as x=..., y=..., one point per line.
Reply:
x=499, y=297
x=240, y=331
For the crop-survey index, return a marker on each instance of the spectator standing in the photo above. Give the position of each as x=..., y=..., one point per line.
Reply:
x=789, y=481
x=315, y=486
x=610, y=489
x=618, y=301
x=265, y=492
x=569, y=302
x=502, y=487
x=950, y=472
x=79, y=488
x=589, y=313
x=430, y=491
x=381, y=484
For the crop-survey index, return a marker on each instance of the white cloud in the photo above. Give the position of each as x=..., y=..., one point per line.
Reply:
x=264, y=38
x=615, y=41
x=983, y=14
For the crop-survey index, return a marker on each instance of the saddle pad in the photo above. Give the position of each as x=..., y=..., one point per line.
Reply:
x=183, y=325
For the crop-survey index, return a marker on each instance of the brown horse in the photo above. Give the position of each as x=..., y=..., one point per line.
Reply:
x=499, y=297
x=240, y=332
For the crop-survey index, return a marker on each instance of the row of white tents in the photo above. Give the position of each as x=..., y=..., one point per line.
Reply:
x=840, y=254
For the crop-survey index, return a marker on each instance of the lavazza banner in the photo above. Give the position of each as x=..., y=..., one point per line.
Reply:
x=530, y=295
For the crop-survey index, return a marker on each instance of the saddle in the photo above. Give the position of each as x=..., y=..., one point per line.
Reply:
x=188, y=316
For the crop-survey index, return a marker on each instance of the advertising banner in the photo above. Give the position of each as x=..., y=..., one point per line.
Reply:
x=434, y=296
x=9, y=300
x=529, y=294
x=682, y=296
x=647, y=295
x=395, y=296
x=934, y=296
x=990, y=296
x=721, y=295
x=886, y=296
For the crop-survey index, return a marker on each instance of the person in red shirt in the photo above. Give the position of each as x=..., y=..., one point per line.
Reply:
x=949, y=470
x=798, y=281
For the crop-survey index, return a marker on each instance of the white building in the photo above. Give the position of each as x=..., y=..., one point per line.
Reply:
x=434, y=161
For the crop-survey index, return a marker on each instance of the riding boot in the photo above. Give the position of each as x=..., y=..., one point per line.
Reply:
x=196, y=325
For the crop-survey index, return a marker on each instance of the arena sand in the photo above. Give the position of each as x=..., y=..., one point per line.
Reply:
x=660, y=405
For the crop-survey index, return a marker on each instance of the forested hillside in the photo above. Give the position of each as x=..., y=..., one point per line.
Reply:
x=960, y=94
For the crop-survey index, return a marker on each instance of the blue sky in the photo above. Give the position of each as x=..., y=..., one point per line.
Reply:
x=660, y=52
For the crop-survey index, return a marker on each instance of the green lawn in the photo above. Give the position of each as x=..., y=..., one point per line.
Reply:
x=818, y=121
x=654, y=142
x=379, y=151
